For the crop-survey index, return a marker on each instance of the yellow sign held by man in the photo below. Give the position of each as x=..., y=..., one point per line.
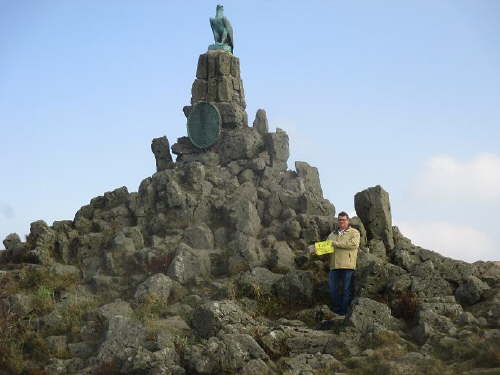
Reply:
x=324, y=247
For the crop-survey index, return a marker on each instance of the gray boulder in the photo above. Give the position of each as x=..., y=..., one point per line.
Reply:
x=12, y=241
x=211, y=317
x=172, y=326
x=428, y=282
x=407, y=258
x=238, y=349
x=292, y=229
x=365, y=313
x=257, y=282
x=246, y=252
x=199, y=237
x=158, y=286
x=241, y=143
x=455, y=271
x=303, y=340
x=356, y=223
x=488, y=271
x=467, y=319
x=111, y=199
x=446, y=306
x=174, y=195
x=277, y=146
x=430, y=323
x=281, y=258
x=161, y=150
x=65, y=271
x=310, y=364
x=260, y=123
x=123, y=338
x=232, y=116
x=471, y=290
x=256, y=367
x=374, y=209
x=111, y=310
x=296, y=287
x=41, y=243
x=199, y=359
x=377, y=248
x=373, y=276
x=81, y=349
x=311, y=231
x=194, y=174
x=243, y=215
x=20, y=303
x=228, y=354
x=54, y=322
x=310, y=177
x=189, y=265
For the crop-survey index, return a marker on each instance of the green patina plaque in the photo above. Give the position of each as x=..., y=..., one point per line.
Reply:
x=203, y=125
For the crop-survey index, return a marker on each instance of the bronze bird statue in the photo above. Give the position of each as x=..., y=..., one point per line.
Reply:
x=222, y=29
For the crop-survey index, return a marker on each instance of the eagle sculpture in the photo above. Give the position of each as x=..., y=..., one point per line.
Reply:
x=221, y=27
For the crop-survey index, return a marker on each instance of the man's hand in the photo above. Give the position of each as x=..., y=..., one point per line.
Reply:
x=311, y=248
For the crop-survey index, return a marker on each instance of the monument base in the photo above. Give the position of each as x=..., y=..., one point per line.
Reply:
x=222, y=46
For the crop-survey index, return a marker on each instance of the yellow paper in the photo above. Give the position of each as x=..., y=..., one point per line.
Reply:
x=324, y=247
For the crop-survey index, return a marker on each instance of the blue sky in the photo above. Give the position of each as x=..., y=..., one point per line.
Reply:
x=405, y=94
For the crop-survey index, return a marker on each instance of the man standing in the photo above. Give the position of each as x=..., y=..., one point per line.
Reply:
x=345, y=241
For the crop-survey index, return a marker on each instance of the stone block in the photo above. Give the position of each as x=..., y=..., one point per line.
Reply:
x=235, y=67
x=224, y=89
x=202, y=69
x=199, y=90
x=224, y=64
x=211, y=65
x=212, y=90
x=236, y=83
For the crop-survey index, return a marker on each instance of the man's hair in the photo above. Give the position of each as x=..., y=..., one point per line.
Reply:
x=343, y=213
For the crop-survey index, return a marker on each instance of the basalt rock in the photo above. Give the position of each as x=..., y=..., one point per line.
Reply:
x=206, y=269
x=212, y=317
x=260, y=122
x=374, y=209
x=161, y=150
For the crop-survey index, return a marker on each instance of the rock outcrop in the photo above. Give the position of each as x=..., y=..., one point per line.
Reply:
x=205, y=270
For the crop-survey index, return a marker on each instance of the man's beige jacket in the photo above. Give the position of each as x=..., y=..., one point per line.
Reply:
x=346, y=247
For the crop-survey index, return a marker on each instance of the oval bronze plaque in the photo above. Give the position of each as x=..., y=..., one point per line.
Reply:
x=203, y=125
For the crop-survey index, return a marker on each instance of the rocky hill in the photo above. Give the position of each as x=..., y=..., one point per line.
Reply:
x=205, y=270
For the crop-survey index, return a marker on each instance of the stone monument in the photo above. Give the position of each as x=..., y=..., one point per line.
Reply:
x=217, y=95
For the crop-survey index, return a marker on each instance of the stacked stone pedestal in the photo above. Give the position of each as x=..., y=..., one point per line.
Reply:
x=218, y=81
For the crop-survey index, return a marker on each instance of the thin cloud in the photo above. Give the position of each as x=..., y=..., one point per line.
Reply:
x=451, y=240
x=6, y=211
x=446, y=178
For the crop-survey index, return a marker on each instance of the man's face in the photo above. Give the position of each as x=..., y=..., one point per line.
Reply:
x=343, y=222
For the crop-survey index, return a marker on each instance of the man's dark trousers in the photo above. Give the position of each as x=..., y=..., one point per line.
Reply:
x=340, y=301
